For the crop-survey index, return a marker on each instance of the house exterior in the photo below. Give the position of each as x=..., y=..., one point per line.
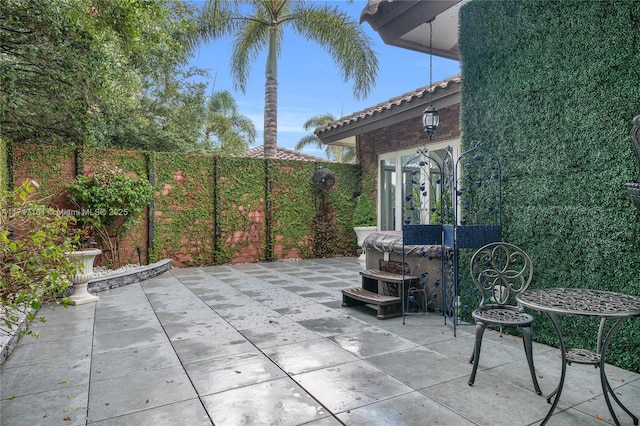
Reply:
x=550, y=88
x=388, y=134
x=407, y=24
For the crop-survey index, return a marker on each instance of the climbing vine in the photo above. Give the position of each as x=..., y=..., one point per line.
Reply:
x=183, y=205
x=292, y=217
x=240, y=188
x=211, y=210
x=342, y=203
x=52, y=167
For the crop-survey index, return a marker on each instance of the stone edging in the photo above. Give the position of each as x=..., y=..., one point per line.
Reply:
x=106, y=282
x=135, y=275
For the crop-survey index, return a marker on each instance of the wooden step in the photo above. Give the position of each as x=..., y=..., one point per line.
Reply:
x=367, y=296
x=387, y=306
x=387, y=277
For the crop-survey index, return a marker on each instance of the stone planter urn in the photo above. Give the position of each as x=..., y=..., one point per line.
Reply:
x=633, y=187
x=85, y=258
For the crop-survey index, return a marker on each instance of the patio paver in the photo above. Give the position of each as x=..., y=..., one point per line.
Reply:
x=270, y=343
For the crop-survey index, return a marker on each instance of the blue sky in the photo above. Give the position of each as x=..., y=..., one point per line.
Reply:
x=310, y=84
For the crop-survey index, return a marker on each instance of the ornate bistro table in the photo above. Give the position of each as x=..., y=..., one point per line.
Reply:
x=591, y=303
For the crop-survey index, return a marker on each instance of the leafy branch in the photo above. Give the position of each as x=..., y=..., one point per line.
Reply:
x=33, y=265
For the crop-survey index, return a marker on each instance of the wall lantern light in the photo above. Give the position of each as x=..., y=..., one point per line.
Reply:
x=430, y=118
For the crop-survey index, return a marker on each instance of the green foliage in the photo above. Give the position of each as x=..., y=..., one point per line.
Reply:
x=226, y=130
x=333, y=223
x=107, y=73
x=259, y=26
x=340, y=154
x=108, y=204
x=537, y=76
x=184, y=209
x=45, y=164
x=291, y=182
x=33, y=265
x=209, y=209
x=240, y=207
x=437, y=213
x=364, y=215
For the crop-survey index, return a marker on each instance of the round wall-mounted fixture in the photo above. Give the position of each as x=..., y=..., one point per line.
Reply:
x=324, y=179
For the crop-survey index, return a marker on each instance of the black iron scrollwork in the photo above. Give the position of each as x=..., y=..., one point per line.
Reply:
x=633, y=187
x=635, y=138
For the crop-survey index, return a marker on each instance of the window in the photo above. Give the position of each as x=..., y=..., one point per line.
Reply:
x=395, y=173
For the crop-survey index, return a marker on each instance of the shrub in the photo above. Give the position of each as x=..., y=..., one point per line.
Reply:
x=364, y=215
x=33, y=265
x=109, y=203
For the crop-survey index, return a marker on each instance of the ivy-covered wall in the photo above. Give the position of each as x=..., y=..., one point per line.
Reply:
x=51, y=167
x=552, y=87
x=240, y=184
x=333, y=222
x=209, y=210
x=183, y=206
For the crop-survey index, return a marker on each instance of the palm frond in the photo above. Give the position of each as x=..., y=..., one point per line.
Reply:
x=249, y=41
x=348, y=45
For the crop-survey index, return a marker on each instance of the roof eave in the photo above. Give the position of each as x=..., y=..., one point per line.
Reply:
x=342, y=132
x=405, y=24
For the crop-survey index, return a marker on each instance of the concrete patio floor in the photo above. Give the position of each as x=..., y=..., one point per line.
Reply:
x=270, y=344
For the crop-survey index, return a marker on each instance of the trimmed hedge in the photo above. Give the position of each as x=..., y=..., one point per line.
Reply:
x=552, y=88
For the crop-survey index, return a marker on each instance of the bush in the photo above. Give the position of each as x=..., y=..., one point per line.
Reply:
x=364, y=215
x=33, y=265
x=109, y=203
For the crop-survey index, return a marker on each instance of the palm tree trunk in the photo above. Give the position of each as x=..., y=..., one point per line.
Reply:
x=270, y=118
x=271, y=97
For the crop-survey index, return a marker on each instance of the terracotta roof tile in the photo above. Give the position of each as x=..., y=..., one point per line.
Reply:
x=282, y=154
x=389, y=105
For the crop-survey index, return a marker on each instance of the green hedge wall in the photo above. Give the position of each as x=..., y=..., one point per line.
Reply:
x=552, y=88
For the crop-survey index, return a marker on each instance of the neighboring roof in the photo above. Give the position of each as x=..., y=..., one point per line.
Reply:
x=282, y=154
x=400, y=108
x=405, y=23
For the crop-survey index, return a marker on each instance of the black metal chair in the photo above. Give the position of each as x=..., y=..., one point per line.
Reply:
x=500, y=271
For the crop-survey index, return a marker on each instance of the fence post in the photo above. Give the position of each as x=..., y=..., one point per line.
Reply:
x=79, y=161
x=217, y=233
x=11, y=173
x=151, y=176
x=267, y=213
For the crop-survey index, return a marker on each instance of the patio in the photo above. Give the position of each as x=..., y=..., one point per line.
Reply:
x=269, y=343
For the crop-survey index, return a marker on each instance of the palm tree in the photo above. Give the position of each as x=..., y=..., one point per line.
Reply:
x=341, y=154
x=260, y=24
x=226, y=130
